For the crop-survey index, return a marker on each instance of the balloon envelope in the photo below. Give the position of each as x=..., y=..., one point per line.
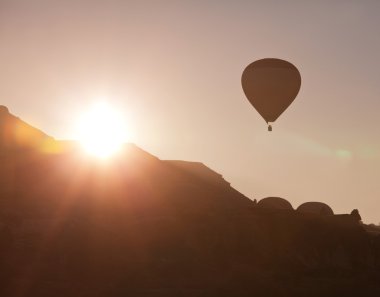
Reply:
x=271, y=85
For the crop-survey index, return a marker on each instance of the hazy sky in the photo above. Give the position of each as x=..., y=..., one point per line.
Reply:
x=174, y=69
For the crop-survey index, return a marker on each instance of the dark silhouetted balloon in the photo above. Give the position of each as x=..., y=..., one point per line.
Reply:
x=271, y=85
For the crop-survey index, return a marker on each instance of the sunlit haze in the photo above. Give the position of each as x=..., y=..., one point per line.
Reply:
x=176, y=67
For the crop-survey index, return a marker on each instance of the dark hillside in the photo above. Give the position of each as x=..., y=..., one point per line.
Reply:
x=141, y=226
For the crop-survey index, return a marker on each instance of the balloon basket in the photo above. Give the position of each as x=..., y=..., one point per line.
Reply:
x=269, y=128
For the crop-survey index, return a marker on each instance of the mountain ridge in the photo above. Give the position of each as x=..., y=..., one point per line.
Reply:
x=141, y=226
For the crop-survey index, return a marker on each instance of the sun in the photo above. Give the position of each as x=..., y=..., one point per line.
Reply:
x=102, y=130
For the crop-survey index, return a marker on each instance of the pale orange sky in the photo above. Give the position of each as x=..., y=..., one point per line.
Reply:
x=174, y=68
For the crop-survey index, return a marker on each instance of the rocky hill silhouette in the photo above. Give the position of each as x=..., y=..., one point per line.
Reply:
x=141, y=226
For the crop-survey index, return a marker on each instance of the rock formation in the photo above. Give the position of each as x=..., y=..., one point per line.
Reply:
x=275, y=203
x=318, y=208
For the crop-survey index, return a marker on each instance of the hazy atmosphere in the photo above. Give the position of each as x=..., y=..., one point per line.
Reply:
x=173, y=69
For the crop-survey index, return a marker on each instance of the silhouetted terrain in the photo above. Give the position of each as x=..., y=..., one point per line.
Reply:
x=141, y=226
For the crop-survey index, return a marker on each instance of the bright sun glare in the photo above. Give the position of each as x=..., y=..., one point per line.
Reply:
x=102, y=130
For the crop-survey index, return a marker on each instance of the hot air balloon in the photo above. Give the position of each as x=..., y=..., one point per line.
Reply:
x=271, y=85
